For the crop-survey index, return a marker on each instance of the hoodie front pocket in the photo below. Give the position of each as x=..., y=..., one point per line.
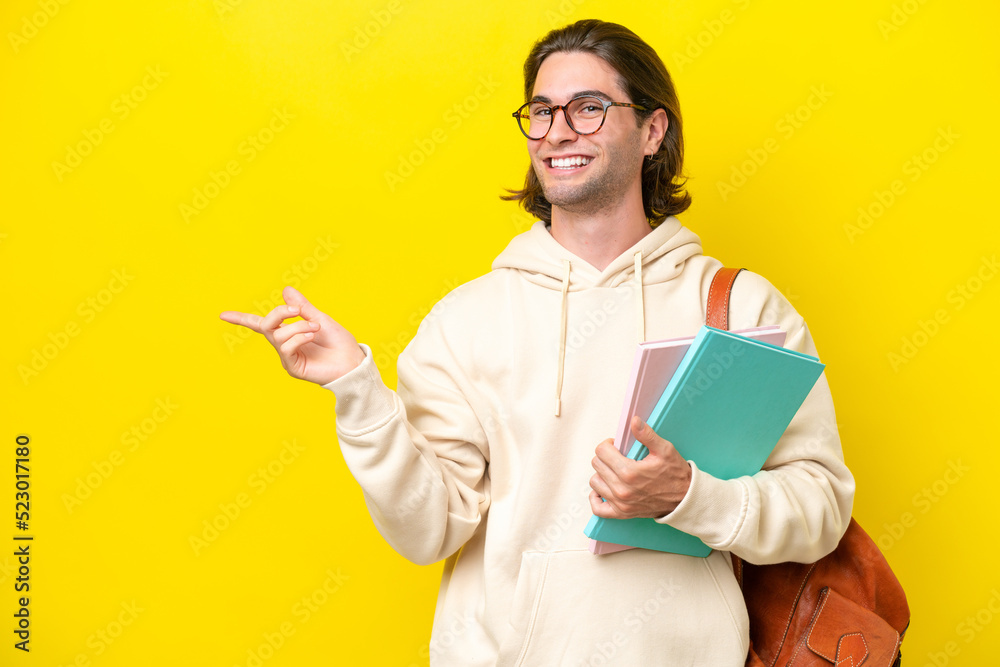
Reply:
x=630, y=608
x=527, y=598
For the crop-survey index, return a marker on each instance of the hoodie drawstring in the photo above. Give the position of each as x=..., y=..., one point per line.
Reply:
x=562, y=335
x=563, y=317
x=641, y=317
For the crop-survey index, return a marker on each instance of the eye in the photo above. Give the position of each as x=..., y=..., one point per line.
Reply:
x=539, y=111
x=588, y=108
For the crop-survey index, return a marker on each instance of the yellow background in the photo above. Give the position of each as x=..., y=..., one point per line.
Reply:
x=112, y=288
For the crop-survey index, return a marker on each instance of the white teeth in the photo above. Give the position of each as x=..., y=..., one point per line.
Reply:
x=570, y=162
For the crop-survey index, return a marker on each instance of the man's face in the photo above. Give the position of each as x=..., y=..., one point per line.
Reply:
x=603, y=167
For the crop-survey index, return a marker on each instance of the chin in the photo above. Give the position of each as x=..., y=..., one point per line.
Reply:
x=564, y=197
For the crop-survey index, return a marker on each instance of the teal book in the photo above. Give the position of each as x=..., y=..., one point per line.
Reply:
x=725, y=408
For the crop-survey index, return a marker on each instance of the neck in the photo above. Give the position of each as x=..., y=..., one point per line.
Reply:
x=598, y=237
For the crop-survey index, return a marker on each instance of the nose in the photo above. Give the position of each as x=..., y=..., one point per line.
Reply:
x=560, y=130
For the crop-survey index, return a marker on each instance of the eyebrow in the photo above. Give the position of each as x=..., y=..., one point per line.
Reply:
x=583, y=93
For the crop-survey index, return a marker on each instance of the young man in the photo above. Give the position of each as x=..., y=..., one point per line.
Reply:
x=484, y=454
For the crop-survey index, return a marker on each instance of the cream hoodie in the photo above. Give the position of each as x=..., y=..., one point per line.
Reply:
x=469, y=461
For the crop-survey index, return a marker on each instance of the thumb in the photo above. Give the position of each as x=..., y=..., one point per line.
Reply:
x=293, y=297
x=644, y=433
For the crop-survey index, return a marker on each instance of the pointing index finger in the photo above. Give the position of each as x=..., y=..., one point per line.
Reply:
x=248, y=320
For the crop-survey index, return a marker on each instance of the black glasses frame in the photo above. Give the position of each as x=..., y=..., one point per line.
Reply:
x=521, y=113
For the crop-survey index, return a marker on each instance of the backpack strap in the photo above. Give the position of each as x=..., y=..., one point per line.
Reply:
x=718, y=298
x=718, y=316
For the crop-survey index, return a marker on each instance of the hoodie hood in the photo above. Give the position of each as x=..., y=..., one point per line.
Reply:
x=656, y=258
x=541, y=259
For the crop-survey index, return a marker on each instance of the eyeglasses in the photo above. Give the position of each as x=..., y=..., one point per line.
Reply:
x=584, y=115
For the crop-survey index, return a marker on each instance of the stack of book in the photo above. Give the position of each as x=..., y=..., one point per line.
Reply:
x=723, y=399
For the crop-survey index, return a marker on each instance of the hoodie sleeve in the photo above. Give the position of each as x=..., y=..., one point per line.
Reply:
x=419, y=454
x=798, y=507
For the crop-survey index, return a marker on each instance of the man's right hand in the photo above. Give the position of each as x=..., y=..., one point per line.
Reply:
x=315, y=348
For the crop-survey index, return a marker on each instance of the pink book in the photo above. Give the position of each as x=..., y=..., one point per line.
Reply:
x=654, y=365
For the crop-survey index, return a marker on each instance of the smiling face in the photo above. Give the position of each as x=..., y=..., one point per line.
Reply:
x=589, y=173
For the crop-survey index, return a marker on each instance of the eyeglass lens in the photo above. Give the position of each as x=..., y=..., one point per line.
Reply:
x=585, y=115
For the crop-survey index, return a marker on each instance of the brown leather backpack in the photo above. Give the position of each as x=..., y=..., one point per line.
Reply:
x=847, y=609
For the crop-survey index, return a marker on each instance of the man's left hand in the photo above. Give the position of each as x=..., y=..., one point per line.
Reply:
x=651, y=487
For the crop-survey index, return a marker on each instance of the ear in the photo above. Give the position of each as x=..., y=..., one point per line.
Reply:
x=656, y=130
